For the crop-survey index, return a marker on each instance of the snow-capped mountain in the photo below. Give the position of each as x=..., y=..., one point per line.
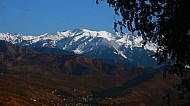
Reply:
x=125, y=49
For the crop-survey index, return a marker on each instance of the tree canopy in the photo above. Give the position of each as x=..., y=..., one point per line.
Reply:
x=164, y=22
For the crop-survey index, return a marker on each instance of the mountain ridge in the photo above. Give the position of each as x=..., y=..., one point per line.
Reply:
x=125, y=49
x=17, y=59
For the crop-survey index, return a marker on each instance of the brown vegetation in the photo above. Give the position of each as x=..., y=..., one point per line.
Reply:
x=33, y=79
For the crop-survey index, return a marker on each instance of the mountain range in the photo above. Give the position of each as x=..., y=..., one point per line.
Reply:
x=52, y=76
x=116, y=48
x=20, y=59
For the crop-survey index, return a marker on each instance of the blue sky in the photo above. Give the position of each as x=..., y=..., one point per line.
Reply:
x=34, y=17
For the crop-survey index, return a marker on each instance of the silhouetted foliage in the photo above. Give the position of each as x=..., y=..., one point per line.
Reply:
x=163, y=22
x=166, y=99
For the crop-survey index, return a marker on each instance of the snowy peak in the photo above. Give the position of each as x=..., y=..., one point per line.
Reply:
x=112, y=47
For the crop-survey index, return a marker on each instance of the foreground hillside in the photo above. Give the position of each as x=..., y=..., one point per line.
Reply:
x=52, y=89
x=22, y=89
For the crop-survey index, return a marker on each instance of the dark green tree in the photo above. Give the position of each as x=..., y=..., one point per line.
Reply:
x=163, y=22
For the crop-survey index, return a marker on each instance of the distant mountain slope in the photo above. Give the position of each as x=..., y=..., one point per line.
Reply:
x=115, y=48
x=15, y=58
x=6, y=47
x=47, y=50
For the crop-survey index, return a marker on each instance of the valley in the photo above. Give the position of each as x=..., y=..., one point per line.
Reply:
x=34, y=77
x=34, y=89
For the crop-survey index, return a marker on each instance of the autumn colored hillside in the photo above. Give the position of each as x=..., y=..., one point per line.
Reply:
x=29, y=78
